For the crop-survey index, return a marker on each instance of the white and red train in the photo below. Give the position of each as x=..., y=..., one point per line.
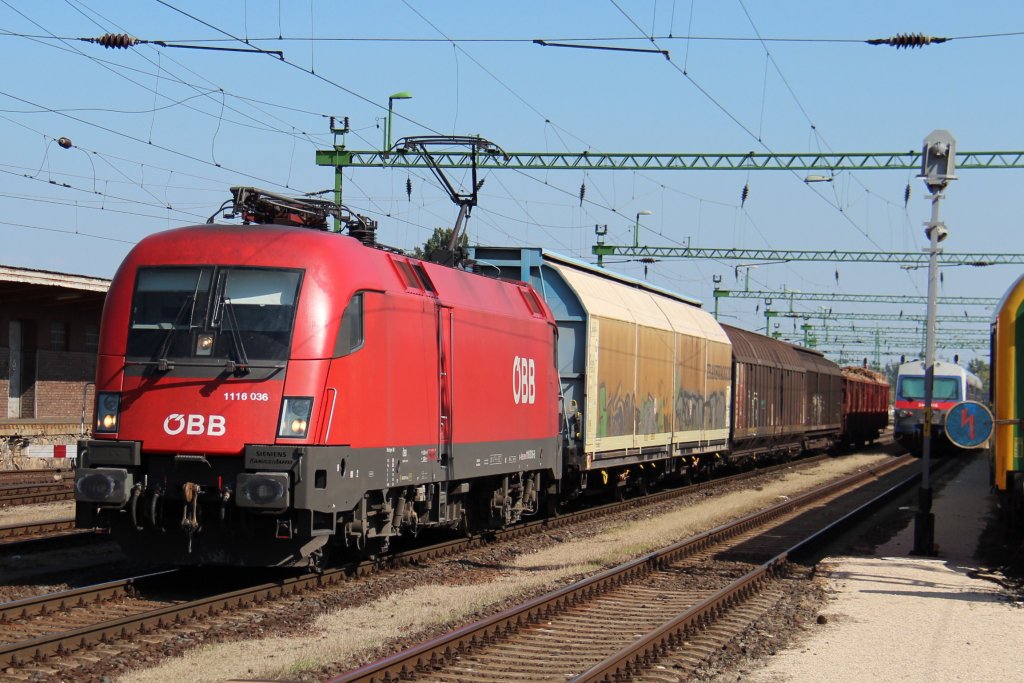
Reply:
x=952, y=384
x=270, y=394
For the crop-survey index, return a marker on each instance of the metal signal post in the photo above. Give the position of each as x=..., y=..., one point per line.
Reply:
x=938, y=167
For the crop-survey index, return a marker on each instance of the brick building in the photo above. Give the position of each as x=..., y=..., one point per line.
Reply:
x=49, y=332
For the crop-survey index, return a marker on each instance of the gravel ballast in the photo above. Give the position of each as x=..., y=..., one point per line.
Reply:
x=896, y=617
x=452, y=595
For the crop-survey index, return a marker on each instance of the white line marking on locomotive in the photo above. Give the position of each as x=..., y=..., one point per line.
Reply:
x=193, y=425
x=524, y=381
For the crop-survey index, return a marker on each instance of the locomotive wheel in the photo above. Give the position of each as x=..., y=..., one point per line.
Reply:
x=552, y=504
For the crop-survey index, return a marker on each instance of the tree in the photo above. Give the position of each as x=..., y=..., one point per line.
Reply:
x=891, y=371
x=439, y=240
x=981, y=368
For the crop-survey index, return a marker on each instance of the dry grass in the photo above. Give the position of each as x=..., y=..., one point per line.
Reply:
x=343, y=634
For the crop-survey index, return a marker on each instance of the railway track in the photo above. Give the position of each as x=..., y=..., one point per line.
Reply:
x=8, y=477
x=675, y=605
x=15, y=537
x=155, y=603
x=32, y=494
x=28, y=487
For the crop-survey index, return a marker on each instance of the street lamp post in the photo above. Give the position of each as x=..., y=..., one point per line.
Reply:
x=387, y=124
x=938, y=167
x=636, y=229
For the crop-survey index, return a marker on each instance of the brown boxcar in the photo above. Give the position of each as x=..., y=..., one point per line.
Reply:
x=823, y=407
x=865, y=405
x=768, y=396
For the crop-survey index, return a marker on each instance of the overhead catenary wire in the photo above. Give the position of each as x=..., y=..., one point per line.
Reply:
x=133, y=138
x=85, y=12
x=531, y=207
x=736, y=120
x=123, y=41
x=555, y=127
x=113, y=68
x=567, y=38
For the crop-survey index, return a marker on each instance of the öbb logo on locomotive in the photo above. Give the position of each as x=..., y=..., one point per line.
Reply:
x=524, y=381
x=194, y=425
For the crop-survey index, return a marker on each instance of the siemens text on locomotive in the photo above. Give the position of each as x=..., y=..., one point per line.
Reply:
x=269, y=394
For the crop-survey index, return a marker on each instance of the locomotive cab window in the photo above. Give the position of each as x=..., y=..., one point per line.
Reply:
x=424, y=278
x=943, y=388
x=350, y=333
x=220, y=313
x=407, y=275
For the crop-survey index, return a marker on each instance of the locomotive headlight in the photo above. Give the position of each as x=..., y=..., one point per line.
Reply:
x=204, y=345
x=905, y=413
x=294, y=422
x=108, y=411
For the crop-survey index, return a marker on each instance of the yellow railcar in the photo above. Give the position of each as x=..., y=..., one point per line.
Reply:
x=1007, y=445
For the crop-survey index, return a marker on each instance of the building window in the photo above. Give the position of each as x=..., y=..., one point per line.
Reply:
x=59, y=336
x=92, y=338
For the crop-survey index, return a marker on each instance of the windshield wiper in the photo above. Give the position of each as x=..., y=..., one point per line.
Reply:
x=240, y=367
x=161, y=355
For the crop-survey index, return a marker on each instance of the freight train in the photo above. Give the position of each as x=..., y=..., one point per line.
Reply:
x=952, y=384
x=1006, y=447
x=272, y=394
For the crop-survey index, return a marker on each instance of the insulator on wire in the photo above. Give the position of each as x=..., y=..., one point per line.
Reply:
x=583, y=192
x=65, y=143
x=408, y=188
x=906, y=195
x=907, y=40
x=744, y=194
x=117, y=40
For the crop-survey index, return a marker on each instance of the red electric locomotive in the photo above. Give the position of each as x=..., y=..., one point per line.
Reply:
x=262, y=390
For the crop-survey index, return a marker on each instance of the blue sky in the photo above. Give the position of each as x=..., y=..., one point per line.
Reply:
x=159, y=134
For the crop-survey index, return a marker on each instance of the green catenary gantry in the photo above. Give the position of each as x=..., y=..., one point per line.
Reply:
x=907, y=257
x=613, y=161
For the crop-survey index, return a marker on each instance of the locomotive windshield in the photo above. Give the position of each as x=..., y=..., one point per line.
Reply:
x=943, y=388
x=215, y=313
